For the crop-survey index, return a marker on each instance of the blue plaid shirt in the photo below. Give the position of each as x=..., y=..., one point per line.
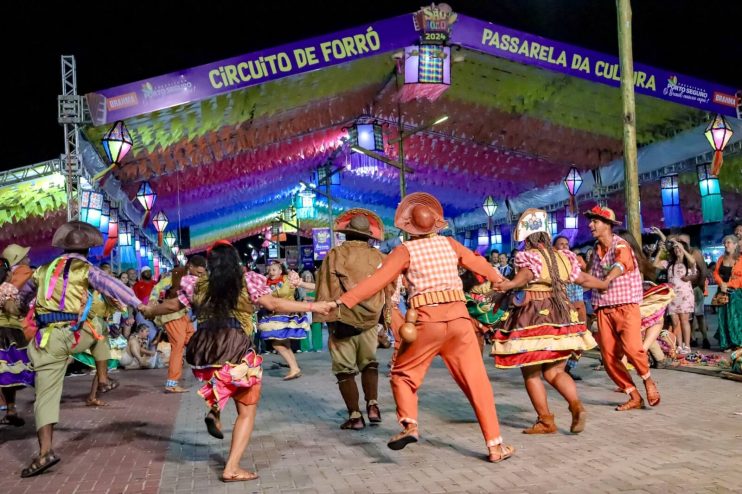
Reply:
x=574, y=292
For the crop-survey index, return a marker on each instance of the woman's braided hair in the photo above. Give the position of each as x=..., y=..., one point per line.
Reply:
x=541, y=242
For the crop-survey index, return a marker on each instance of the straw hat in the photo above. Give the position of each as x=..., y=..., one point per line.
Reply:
x=603, y=214
x=420, y=214
x=360, y=221
x=14, y=253
x=77, y=235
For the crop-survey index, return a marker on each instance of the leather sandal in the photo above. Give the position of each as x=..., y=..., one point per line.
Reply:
x=653, y=395
x=40, y=464
x=238, y=477
x=95, y=402
x=374, y=414
x=109, y=386
x=632, y=404
x=355, y=424
x=506, y=451
x=213, y=424
x=407, y=436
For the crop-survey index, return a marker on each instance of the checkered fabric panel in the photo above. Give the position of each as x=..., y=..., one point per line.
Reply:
x=434, y=265
x=430, y=68
x=626, y=289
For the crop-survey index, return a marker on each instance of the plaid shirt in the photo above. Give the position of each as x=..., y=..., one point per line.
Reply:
x=627, y=288
x=434, y=266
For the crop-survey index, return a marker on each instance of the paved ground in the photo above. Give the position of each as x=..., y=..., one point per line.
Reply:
x=691, y=443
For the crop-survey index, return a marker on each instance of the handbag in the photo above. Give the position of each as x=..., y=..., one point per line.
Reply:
x=342, y=330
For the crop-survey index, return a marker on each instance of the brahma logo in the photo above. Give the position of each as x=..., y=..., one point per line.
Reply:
x=725, y=99
x=677, y=89
x=122, y=101
x=181, y=85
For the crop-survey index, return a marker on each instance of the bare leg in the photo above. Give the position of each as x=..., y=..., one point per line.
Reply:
x=685, y=327
x=536, y=389
x=555, y=375
x=283, y=349
x=676, y=328
x=243, y=427
x=651, y=335
x=45, y=434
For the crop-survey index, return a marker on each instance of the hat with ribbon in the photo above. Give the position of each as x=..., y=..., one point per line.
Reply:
x=603, y=214
x=420, y=214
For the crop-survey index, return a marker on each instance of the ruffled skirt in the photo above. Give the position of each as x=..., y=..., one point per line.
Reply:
x=533, y=334
x=284, y=326
x=15, y=369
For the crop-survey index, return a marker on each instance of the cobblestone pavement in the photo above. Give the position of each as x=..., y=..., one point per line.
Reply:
x=691, y=443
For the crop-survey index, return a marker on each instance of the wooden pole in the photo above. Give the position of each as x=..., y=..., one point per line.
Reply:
x=631, y=170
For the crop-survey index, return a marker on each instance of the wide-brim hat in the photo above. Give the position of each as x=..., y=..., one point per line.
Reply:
x=604, y=214
x=360, y=221
x=420, y=214
x=531, y=221
x=15, y=253
x=77, y=235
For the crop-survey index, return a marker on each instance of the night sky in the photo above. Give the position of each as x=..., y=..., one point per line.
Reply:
x=700, y=39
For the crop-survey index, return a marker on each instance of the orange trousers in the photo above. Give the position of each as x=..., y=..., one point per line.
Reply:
x=179, y=333
x=619, y=334
x=457, y=345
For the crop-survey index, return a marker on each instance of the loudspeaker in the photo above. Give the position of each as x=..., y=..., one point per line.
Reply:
x=184, y=234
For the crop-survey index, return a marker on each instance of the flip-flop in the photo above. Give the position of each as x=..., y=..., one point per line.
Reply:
x=95, y=403
x=211, y=426
x=110, y=386
x=175, y=390
x=238, y=477
x=292, y=376
x=12, y=419
x=36, y=467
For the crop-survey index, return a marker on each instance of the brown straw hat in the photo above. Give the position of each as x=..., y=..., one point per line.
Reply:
x=360, y=221
x=420, y=214
x=77, y=235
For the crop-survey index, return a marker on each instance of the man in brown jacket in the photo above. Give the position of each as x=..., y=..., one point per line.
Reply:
x=353, y=335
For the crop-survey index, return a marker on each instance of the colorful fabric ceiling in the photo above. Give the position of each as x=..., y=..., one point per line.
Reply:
x=30, y=212
x=225, y=166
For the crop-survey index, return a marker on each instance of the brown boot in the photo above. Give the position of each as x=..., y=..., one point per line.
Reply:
x=635, y=402
x=374, y=414
x=545, y=425
x=578, y=417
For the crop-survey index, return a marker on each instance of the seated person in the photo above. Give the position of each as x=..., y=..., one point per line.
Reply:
x=136, y=355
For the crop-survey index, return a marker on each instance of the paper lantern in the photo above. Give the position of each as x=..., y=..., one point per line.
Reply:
x=573, y=182
x=711, y=201
x=125, y=234
x=91, y=207
x=553, y=225
x=160, y=223
x=368, y=136
x=670, y=192
x=105, y=216
x=116, y=143
x=718, y=134
x=169, y=238
x=571, y=220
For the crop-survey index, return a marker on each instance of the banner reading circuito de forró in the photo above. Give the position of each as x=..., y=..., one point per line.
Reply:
x=216, y=78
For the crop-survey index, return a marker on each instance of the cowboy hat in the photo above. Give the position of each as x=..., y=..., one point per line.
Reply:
x=77, y=235
x=531, y=221
x=603, y=214
x=14, y=253
x=360, y=221
x=420, y=214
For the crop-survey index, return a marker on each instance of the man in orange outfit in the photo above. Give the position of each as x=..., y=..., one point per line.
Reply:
x=617, y=309
x=178, y=324
x=429, y=263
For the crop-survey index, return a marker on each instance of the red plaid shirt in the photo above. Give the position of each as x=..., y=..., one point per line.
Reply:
x=434, y=265
x=627, y=288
